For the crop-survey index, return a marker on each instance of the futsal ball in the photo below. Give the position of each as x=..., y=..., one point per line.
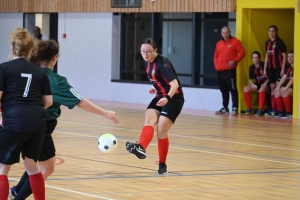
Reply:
x=107, y=143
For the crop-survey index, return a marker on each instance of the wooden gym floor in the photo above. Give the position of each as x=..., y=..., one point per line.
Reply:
x=210, y=157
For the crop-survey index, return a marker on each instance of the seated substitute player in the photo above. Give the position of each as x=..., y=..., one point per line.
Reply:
x=63, y=94
x=260, y=85
x=24, y=94
x=284, y=90
x=163, y=109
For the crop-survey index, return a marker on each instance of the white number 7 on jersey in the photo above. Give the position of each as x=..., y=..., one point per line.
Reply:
x=29, y=77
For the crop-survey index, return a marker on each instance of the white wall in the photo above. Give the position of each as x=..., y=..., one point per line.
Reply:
x=90, y=54
x=87, y=60
x=8, y=21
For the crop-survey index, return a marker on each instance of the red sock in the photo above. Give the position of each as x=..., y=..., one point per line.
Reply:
x=4, y=185
x=279, y=104
x=274, y=107
x=247, y=97
x=261, y=100
x=288, y=104
x=163, y=148
x=146, y=136
x=37, y=184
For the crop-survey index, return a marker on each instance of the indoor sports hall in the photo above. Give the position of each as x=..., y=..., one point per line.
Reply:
x=211, y=156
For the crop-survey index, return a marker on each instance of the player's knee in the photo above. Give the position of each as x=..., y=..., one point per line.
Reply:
x=47, y=172
x=277, y=94
x=161, y=134
x=150, y=121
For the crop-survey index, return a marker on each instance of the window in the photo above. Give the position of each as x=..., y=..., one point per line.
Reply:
x=176, y=34
x=210, y=34
x=135, y=28
x=187, y=39
x=47, y=22
x=126, y=3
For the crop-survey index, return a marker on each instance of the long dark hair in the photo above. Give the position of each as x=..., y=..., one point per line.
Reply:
x=44, y=51
x=149, y=41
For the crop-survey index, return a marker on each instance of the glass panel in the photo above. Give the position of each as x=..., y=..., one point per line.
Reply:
x=177, y=43
x=184, y=80
x=137, y=28
x=173, y=34
x=40, y=20
x=210, y=35
x=177, y=51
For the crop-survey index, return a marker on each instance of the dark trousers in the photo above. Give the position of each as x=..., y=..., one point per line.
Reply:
x=227, y=83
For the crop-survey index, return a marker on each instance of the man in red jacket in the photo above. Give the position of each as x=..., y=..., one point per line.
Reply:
x=229, y=51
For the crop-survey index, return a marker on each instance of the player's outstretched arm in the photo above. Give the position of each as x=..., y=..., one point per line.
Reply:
x=290, y=83
x=48, y=100
x=92, y=108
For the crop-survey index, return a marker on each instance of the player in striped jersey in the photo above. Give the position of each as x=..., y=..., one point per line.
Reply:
x=163, y=109
x=63, y=94
x=275, y=61
x=259, y=85
x=284, y=90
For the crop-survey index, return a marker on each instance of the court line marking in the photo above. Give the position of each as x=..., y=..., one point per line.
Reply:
x=223, y=154
x=242, y=143
x=71, y=191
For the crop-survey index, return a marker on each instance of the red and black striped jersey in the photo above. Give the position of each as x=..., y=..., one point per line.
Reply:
x=257, y=73
x=23, y=84
x=160, y=72
x=289, y=70
x=274, y=51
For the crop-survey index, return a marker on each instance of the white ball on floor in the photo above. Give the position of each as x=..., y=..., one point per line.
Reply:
x=107, y=143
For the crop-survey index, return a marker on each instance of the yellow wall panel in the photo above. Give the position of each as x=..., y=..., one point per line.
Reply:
x=252, y=22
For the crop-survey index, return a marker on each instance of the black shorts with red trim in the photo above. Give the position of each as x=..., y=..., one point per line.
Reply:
x=13, y=143
x=171, y=110
x=48, y=148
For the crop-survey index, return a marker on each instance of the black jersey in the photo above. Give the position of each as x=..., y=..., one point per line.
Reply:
x=257, y=73
x=274, y=52
x=23, y=84
x=160, y=72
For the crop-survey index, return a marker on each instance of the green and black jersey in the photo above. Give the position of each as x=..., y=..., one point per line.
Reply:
x=63, y=94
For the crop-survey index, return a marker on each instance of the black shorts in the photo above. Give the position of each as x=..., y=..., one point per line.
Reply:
x=171, y=110
x=12, y=143
x=48, y=148
x=273, y=75
x=258, y=86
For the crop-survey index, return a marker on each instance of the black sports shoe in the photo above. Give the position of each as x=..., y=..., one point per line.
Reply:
x=289, y=115
x=234, y=112
x=162, y=169
x=136, y=149
x=222, y=111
